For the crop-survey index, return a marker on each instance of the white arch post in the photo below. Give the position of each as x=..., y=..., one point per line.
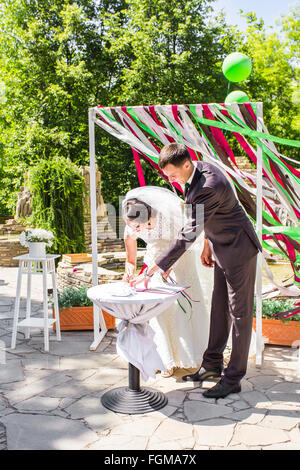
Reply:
x=259, y=339
x=99, y=323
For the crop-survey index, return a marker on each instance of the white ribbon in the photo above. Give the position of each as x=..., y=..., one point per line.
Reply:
x=135, y=344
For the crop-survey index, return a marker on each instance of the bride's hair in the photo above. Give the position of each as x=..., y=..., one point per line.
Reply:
x=138, y=210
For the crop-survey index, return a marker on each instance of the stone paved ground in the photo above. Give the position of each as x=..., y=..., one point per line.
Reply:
x=52, y=400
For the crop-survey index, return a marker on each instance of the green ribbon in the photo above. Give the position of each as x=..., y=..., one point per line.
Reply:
x=244, y=131
x=293, y=232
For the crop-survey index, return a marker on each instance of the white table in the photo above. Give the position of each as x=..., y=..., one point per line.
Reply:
x=135, y=343
x=36, y=266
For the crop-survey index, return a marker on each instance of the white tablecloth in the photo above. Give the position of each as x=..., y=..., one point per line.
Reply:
x=135, y=339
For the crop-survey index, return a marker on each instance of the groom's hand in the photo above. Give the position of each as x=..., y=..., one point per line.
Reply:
x=206, y=256
x=166, y=274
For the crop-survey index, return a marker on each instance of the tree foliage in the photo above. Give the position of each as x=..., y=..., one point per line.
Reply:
x=275, y=76
x=57, y=189
x=169, y=52
x=54, y=64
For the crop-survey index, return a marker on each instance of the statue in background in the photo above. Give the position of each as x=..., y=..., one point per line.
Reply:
x=101, y=209
x=23, y=206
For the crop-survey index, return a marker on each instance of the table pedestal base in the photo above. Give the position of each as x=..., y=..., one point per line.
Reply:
x=133, y=399
x=124, y=400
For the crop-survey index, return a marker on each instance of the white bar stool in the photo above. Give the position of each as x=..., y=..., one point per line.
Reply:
x=31, y=266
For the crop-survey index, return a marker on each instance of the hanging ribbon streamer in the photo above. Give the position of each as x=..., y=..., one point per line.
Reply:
x=139, y=169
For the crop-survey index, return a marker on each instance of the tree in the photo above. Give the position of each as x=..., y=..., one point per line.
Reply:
x=274, y=79
x=57, y=189
x=54, y=64
x=169, y=52
x=166, y=52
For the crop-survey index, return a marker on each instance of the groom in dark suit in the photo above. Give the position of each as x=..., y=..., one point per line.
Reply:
x=231, y=239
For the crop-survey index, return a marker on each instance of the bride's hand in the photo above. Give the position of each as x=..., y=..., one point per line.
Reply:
x=129, y=273
x=138, y=280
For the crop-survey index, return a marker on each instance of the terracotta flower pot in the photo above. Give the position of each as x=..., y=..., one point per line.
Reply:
x=81, y=318
x=279, y=333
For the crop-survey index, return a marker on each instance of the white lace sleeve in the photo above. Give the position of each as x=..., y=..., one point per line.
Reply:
x=129, y=232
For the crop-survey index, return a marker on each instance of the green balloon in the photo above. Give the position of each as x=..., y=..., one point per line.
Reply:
x=237, y=67
x=237, y=97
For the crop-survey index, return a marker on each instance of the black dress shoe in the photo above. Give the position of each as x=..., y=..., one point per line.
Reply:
x=222, y=389
x=202, y=374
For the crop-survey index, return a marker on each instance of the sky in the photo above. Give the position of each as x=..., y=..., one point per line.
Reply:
x=268, y=10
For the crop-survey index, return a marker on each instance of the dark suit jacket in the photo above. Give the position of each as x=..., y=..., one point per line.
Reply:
x=226, y=225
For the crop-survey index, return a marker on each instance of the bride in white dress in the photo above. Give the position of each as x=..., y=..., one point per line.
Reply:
x=181, y=332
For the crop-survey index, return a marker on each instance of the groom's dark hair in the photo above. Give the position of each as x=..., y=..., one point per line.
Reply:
x=174, y=153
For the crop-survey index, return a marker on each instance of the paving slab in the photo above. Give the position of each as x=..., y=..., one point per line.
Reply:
x=294, y=435
x=67, y=389
x=107, y=376
x=93, y=413
x=165, y=445
x=41, y=361
x=35, y=388
x=265, y=382
x=196, y=411
x=214, y=432
x=44, y=432
x=257, y=435
x=3, y=441
x=38, y=404
x=120, y=443
x=285, y=420
x=285, y=391
x=29, y=378
x=71, y=348
x=13, y=373
x=89, y=360
x=143, y=426
x=171, y=429
x=249, y=416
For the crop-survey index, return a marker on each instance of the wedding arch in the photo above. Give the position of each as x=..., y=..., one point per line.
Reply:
x=270, y=198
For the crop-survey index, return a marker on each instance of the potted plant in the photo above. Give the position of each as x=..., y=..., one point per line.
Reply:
x=76, y=310
x=283, y=331
x=36, y=239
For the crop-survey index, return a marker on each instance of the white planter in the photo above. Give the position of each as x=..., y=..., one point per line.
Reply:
x=37, y=249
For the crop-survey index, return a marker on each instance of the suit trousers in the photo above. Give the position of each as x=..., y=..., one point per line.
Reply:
x=232, y=305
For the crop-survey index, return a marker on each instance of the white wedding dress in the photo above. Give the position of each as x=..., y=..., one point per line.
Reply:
x=181, y=336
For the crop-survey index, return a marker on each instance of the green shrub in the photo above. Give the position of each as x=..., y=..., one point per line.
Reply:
x=57, y=189
x=273, y=306
x=73, y=297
